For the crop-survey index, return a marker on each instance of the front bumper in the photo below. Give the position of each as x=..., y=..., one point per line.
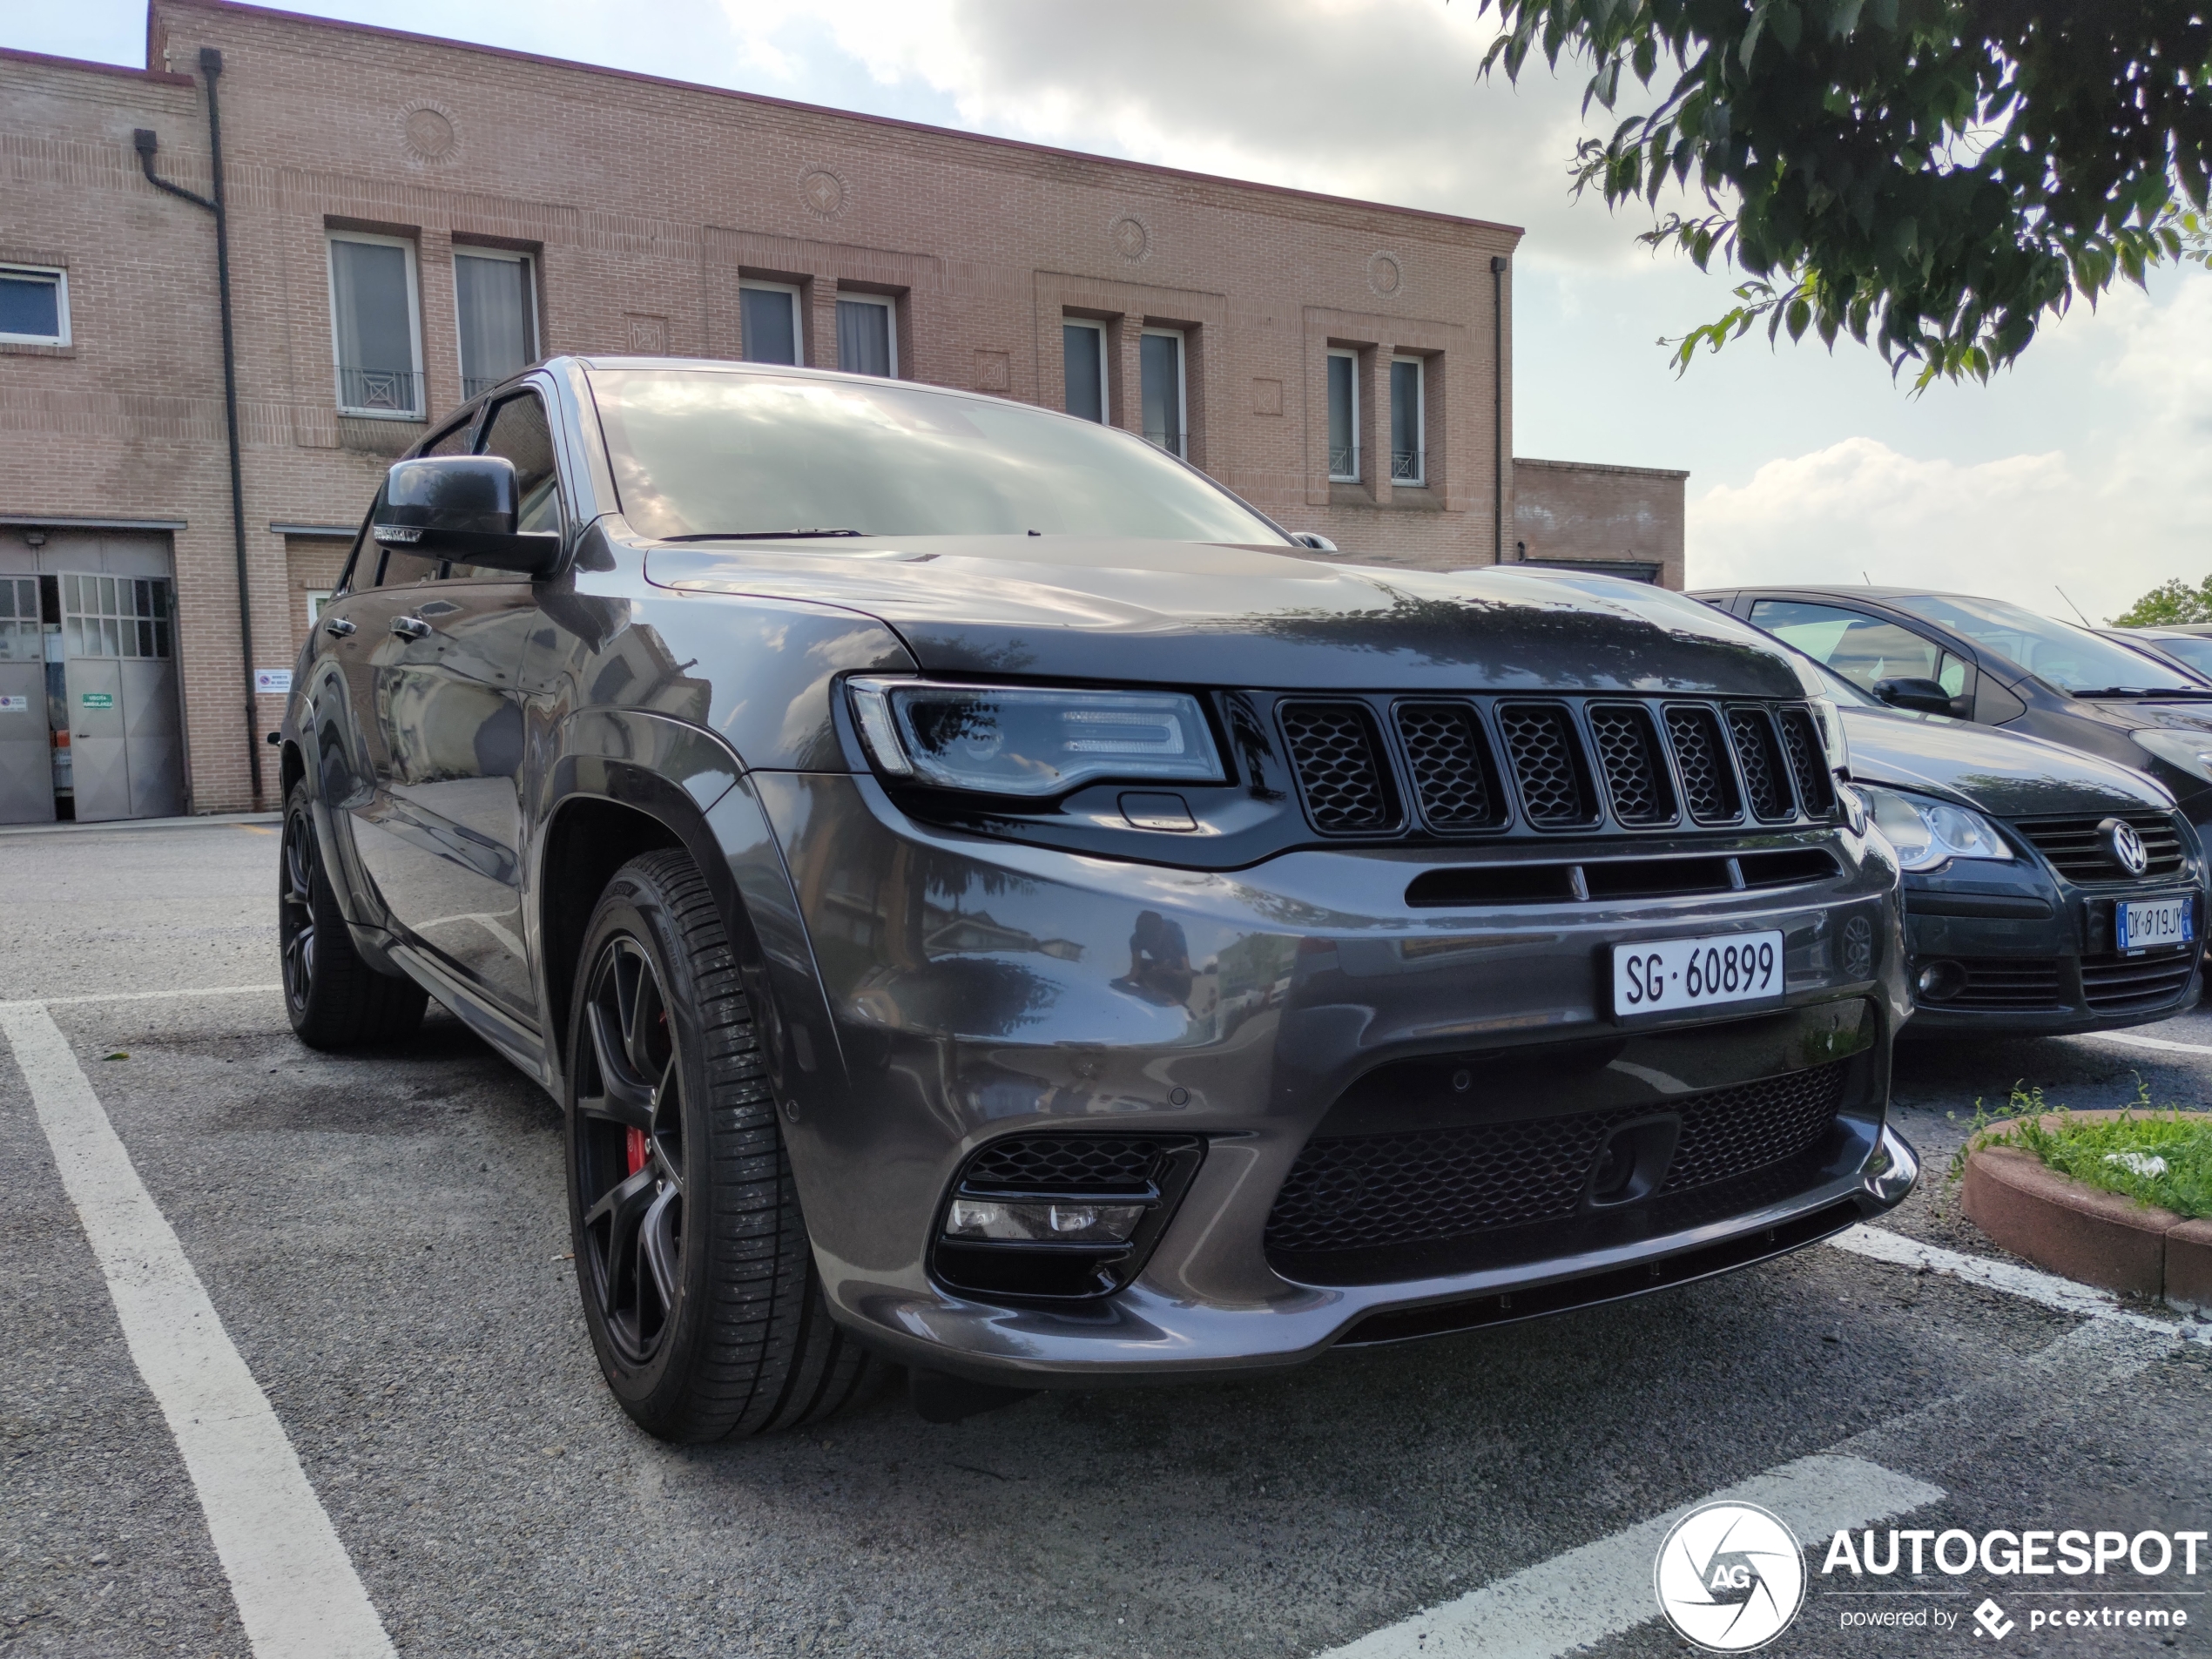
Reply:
x=978, y=989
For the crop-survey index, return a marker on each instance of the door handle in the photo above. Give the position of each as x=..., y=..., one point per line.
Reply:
x=410, y=628
x=340, y=626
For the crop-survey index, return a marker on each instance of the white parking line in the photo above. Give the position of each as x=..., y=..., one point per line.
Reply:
x=139, y=996
x=1603, y=1589
x=297, y=1593
x=2049, y=1289
x=2134, y=1041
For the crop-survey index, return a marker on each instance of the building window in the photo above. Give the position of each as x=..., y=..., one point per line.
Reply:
x=1344, y=416
x=317, y=598
x=115, y=616
x=34, y=305
x=1083, y=344
x=867, y=335
x=768, y=323
x=491, y=291
x=375, y=324
x=1160, y=355
x=1408, y=422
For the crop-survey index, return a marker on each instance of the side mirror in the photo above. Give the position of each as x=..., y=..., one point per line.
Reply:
x=1310, y=539
x=1923, y=696
x=461, y=507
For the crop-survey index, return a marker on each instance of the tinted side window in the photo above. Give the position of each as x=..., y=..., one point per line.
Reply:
x=453, y=440
x=1862, y=649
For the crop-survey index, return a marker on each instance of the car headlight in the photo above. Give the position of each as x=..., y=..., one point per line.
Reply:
x=1927, y=834
x=1032, y=740
x=2189, y=749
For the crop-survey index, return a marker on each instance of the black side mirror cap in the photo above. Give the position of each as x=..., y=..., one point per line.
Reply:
x=461, y=507
x=1921, y=696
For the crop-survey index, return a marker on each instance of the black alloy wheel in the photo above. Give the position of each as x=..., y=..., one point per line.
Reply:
x=334, y=998
x=698, y=1283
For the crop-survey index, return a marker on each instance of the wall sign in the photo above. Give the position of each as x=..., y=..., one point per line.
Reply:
x=272, y=682
x=97, y=699
x=15, y=705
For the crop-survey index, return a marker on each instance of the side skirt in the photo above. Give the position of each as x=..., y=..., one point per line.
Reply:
x=521, y=1043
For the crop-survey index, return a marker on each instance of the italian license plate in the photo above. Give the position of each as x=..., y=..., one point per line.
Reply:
x=1665, y=975
x=2145, y=924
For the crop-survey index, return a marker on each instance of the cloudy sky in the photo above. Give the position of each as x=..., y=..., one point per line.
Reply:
x=2087, y=468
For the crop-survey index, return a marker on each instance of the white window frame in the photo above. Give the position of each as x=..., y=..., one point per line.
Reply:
x=1105, y=363
x=471, y=251
x=317, y=598
x=890, y=322
x=1336, y=477
x=1419, y=478
x=405, y=245
x=1181, y=339
x=61, y=303
x=798, y=316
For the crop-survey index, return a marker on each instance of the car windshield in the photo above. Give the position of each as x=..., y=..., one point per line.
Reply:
x=704, y=453
x=2060, y=654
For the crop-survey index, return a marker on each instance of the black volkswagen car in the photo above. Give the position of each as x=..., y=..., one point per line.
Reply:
x=1999, y=664
x=987, y=898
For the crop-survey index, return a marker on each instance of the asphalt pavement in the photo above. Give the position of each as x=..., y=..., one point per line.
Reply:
x=383, y=1241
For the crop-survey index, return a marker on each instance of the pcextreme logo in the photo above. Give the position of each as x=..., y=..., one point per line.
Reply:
x=1729, y=1577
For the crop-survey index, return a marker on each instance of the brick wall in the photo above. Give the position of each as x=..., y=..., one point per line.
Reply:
x=1576, y=512
x=645, y=204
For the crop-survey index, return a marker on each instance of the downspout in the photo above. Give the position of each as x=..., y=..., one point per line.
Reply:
x=211, y=65
x=1498, y=264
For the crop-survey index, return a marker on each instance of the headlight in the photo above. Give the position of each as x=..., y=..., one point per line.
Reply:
x=2188, y=749
x=1025, y=741
x=1927, y=834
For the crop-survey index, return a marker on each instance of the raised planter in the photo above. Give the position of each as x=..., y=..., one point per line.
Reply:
x=2099, y=1238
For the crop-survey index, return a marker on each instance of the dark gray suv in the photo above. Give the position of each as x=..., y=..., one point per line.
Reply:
x=989, y=899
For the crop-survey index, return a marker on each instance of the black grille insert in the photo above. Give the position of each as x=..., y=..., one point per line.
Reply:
x=1452, y=771
x=1063, y=1163
x=1546, y=762
x=1761, y=757
x=1339, y=766
x=1708, y=780
x=2077, y=851
x=2125, y=984
x=2001, y=982
x=1429, y=1186
x=1808, y=762
x=1636, y=769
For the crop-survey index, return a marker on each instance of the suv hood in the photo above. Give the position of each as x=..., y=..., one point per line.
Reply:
x=2003, y=773
x=1188, y=613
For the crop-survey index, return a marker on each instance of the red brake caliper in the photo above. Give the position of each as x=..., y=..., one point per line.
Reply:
x=637, y=1149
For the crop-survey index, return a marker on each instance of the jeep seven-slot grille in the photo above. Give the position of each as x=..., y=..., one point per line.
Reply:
x=1368, y=765
x=2079, y=851
x=1429, y=1186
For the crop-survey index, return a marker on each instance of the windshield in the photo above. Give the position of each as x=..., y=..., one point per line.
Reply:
x=705, y=452
x=2072, y=658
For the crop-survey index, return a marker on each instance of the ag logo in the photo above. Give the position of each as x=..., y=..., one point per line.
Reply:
x=1729, y=1577
x=2124, y=845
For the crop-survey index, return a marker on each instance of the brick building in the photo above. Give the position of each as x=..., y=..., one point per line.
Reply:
x=409, y=218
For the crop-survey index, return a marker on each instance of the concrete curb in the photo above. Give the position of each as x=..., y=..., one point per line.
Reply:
x=2097, y=1238
x=111, y=826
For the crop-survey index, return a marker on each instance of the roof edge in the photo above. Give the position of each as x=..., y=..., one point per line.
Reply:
x=1601, y=466
x=240, y=8
x=48, y=60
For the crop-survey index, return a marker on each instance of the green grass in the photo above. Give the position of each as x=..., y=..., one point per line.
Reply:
x=2085, y=1150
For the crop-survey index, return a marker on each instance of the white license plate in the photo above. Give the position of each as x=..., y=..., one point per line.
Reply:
x=1665, y=975
x=2145, y=924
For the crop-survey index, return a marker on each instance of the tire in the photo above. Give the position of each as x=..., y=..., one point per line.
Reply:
x=334, y=998
x=699, y=1282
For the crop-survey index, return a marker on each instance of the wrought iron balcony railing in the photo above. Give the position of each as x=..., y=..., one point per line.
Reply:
x=379, y=391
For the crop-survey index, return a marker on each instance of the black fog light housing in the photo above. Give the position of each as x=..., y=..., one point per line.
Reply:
x=1060, y=1216
x=1938, y=981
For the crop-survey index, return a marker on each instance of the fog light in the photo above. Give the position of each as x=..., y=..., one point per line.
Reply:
x=1938, y=981
x=1071, y=1223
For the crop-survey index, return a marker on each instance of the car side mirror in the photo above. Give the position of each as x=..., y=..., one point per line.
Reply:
x=1922, y=696
x=461, y=506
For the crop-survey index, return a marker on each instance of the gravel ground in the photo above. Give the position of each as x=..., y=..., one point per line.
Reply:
x=384, y=1240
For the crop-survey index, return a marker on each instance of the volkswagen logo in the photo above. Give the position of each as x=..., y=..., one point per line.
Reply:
x=1729, y=1577
x=2124, y=845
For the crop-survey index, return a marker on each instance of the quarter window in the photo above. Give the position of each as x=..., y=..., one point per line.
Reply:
x=867, y=336
x=1408, y=422
x=1082, y=345
x=1344, y=416
x=768, y=322
x=375, y=324
x=492, y=293
x=34, y=305
x=1161, y=356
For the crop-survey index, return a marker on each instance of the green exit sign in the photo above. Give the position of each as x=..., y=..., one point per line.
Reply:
x=97, y=699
